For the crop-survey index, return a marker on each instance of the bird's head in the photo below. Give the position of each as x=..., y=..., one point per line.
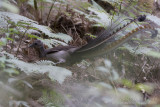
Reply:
x=36, y=44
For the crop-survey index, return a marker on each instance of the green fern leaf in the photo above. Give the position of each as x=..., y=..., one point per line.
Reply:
x=55, y=73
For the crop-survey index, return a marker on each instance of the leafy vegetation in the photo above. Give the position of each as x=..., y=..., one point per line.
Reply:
x=127, y=76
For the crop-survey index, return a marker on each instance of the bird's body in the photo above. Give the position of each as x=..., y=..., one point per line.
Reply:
x=60, y=53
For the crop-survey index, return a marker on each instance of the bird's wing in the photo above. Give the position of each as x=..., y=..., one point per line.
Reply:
x=59, y=48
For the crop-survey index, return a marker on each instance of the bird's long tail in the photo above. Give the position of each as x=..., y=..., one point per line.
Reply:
x=106, y=47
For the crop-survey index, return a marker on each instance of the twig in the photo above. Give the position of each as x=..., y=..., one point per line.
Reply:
x=21, y=41
x=12, y=43
x=7, y=31
x=36, y=9
x=50, y=10
x=64, y=28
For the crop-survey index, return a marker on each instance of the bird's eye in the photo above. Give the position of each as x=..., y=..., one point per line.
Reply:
x=35, y=44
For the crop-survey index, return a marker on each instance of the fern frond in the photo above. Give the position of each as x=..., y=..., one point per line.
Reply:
x=54, y=72
x=50, y=42
x=102, y=18
x=154, y=19
x=4, y=16
x=45, y=62
x=5, y=4
x=139, y=50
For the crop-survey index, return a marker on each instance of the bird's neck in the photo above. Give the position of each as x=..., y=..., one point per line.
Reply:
x=42, y=52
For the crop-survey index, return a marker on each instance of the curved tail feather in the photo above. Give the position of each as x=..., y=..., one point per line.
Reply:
x=106, y=47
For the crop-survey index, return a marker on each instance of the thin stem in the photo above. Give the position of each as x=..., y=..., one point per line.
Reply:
x=7, y=31
x=21, y=41
x=112, y=82
x=13, y=36
x=58, y=14
x=41, y=10
x=36, y=10
x=50, y=10
x=59, y=9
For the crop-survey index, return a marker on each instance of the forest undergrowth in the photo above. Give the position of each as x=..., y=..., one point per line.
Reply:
x=124, y=77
